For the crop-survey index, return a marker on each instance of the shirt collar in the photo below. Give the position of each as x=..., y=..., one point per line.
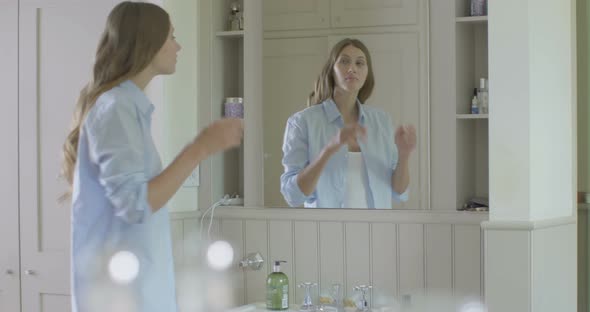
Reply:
x=332, y=112
x=143, y=103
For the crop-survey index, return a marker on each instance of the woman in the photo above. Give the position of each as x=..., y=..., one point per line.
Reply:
x=340, y=152
x=119, y=189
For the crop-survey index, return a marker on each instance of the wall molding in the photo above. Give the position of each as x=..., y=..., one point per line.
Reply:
x=354, y=215
x=527, y=225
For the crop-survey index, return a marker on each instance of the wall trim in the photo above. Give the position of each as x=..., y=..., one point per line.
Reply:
x=353, y=215
x=527, y=225
x=395, y=216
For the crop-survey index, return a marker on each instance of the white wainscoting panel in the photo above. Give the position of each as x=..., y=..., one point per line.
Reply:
x=257, y=239
x=439, y=258
x=385, y=269
x=358, y=256
x=411, y=265
x=306, y=258
x=331, y=247
x=233, y=232
x=399, y=253
x=468, y=266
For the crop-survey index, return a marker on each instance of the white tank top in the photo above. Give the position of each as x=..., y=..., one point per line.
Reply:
x=356, y=188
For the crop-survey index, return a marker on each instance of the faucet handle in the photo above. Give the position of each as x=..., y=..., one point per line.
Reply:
x=253, y=261
x=364, y=306
x=307, y=303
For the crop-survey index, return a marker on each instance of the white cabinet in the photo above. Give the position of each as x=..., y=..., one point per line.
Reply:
x=231, y=66
x=47, y=57
x=354, y=13
x=57, y=42
x=459, y=140
x=300, y=14
x=9, y=257
x=471, y=55
x=321, y=14
x=290, y=67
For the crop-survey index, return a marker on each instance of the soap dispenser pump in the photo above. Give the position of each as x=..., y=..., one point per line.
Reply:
x=277, y=288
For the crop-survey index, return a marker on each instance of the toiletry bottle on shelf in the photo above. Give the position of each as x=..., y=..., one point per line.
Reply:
x=277, y=288
x=482, y=96
x=235, y=22
x=474, y=103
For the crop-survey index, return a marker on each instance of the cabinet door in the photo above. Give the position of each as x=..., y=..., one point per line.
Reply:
x=397, y=68
x=354, y=13
x=57, y=43
x=9, y=257
x=300, y=14
x=290, y=69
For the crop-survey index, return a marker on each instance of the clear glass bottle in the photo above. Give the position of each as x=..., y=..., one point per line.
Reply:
x=482, y=96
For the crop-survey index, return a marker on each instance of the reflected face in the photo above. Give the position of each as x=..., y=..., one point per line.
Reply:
x=350, y=69
x=164, y=62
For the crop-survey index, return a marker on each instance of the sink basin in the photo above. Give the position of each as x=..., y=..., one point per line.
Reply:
x=261, y=307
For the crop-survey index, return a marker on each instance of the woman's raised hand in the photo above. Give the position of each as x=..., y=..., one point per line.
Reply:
x=221, y=135
x=405, y=139
x=349, y=135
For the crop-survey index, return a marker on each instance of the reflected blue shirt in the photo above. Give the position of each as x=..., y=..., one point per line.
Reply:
x=310, y=130
x=110, y=210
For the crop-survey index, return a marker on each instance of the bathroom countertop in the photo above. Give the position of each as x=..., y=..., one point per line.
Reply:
x=261, y=307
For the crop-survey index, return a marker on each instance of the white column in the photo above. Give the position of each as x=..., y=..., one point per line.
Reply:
x=530, y=240
x=253, y=149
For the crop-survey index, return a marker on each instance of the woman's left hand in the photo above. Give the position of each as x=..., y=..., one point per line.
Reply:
x=405, y=139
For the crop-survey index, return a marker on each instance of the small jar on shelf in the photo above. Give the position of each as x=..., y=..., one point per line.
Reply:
x=479, y=8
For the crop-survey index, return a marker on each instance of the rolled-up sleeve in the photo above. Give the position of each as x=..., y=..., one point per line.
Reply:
x=116, y=146
x=295, y=159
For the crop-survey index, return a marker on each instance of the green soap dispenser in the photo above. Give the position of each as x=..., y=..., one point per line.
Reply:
x=277, y=288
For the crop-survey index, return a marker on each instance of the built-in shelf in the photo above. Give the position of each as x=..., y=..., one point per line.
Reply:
x=472, y=116
x=471, y=19
x=230, y=34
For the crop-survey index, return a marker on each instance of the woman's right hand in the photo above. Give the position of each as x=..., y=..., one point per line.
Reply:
x=348, y=136
x=220, y=135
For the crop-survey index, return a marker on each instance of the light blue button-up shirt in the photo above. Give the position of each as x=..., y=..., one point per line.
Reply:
x=110, y=210
x=310, y=130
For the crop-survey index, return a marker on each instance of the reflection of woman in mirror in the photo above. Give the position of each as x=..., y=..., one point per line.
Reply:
x=340, y=152
x=119, y=189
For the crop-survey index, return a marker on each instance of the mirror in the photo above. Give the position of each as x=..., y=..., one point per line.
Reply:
x=291, y=62
x=291, y=65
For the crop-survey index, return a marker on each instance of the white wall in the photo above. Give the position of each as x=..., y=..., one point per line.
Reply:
x=175, y=99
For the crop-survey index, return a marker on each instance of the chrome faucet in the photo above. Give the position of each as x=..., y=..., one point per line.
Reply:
x=307, y=303
x=253, y=261
x=363, y=305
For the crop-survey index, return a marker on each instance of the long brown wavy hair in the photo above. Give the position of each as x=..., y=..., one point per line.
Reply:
x=134, y=33
x=324, y=85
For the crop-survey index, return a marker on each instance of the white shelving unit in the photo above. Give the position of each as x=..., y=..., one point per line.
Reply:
x=226, y=57
x=471, y=61
x=472, y=19
x=472, y=116
x=230, y=34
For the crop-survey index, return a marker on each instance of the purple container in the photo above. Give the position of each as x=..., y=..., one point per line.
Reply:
x=234, y=107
